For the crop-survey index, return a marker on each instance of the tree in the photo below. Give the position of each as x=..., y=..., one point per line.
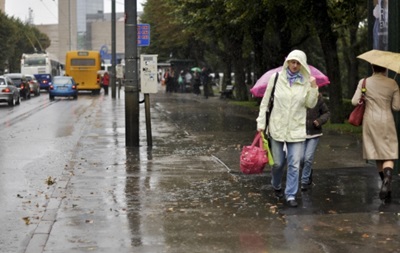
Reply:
x=350, y=21
x=18, y=38
x=7, y=42
x=328, y=36
x=228, y=31
x=169, y=38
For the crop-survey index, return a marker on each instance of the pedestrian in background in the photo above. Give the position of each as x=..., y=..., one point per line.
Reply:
x=181, y=81
x=169, y=80
x=379, y=134
x=196, y=83
x=205, y=80
x=106, y=82
x=188, y=79
x=316, y=117
x=295, y=91
x=119, y=74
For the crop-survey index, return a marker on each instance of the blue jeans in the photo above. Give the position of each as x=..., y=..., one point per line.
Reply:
x=294, y=157
x=310, y=146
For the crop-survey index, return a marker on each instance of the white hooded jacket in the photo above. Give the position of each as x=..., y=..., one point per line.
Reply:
x=288, y=118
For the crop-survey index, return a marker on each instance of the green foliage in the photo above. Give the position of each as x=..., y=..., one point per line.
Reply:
x=344, y=128
x=224, y=34
x=347, y=108
x=7, y=42
x=248, y=104
x=18, y=38
x=337, y=128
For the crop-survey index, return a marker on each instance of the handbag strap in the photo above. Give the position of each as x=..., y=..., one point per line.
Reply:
x=270, y=105
x=258, y=139
x=271, y=98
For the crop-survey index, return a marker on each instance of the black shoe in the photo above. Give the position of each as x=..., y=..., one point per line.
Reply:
x=388, y=198
x=278, y=193
x=292, y=203
x=305, y=187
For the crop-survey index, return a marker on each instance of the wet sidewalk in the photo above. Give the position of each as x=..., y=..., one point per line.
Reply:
x=186, y=193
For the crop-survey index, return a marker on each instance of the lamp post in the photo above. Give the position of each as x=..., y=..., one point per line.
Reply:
x=131, y=76
x=113, y=49
x=69, y=24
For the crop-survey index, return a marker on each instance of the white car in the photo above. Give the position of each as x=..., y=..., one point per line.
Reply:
x=8, y=92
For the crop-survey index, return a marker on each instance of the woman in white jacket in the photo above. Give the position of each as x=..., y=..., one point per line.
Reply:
x=295, y=91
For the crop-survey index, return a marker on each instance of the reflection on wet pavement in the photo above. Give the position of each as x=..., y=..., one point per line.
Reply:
x=177, y=196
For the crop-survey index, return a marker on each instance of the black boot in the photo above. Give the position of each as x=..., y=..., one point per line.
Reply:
x=381, y=175
x=385, y=193
x=389, y=195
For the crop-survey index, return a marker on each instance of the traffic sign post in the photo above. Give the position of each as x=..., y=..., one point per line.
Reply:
x=143, y=35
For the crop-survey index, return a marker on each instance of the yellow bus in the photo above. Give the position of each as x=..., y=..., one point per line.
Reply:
x=83, y=67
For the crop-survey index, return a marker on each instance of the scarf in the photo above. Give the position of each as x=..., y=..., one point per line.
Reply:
x=292, y=77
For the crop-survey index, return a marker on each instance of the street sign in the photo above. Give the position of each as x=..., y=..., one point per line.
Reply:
x=143, y=35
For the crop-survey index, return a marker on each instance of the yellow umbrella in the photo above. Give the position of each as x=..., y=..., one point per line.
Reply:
x=384, y=59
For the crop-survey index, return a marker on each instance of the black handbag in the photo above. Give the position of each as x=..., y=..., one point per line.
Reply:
x=270, y=106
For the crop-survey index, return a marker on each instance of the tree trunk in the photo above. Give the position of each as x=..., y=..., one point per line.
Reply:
x=234, y=45
x=257, y=36
x=353, y=68
x=328, y=39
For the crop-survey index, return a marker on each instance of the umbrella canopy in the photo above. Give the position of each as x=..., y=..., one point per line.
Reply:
x=194, y=69
x=258, y=89
x=384, y=59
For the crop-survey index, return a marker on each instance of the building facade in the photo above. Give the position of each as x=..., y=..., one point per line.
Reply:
x=67, y=27
x=3, y=6
x=82, y=25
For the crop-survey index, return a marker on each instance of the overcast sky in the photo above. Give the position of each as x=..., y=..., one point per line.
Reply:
x=45, y=11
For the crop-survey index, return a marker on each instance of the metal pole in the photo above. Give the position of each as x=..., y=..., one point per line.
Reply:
x=69, y=24
x=113, y=49
x=148, y=119
x=131, y=76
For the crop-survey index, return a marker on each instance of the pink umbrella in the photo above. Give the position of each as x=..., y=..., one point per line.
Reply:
x=258, y=89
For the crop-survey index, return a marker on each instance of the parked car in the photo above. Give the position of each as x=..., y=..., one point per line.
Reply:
x=8, y=92
x=21, y=83
x=33, y=84
x=63, y=86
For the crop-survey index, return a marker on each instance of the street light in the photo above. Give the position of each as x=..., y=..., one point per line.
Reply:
x=69, y=24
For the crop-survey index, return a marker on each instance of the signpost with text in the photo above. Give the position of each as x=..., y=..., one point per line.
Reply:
x=143, y=35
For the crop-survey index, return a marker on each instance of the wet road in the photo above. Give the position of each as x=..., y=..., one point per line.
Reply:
x=185, y=194
x=37, y=140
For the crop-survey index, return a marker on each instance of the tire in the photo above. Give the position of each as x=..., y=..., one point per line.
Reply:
x=11, y=102
x=51, y=97
x=76, y=97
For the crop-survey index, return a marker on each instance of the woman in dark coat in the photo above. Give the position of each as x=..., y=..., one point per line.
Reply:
x=380, y=141
x=316, y=117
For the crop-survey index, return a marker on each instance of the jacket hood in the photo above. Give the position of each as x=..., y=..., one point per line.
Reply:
x=301, y=57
